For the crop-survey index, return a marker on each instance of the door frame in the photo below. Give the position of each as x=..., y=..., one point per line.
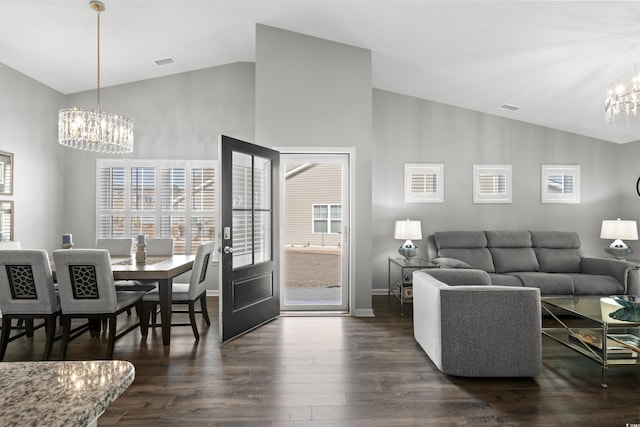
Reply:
x=349, y=250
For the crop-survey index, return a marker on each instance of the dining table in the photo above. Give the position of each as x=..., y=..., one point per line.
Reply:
x=160, y=269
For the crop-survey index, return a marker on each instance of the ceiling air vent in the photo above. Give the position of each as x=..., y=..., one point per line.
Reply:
x=164, y=61
x=508, y=107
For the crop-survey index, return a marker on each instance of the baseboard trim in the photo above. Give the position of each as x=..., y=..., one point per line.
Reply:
x=213, y=293
x=363, y=312
x=383, y=291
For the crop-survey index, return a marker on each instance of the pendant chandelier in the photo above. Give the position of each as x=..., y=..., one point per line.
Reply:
x=624, y=99
x=95, y=130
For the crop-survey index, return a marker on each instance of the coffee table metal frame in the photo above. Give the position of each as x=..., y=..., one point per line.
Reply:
x=588, y=308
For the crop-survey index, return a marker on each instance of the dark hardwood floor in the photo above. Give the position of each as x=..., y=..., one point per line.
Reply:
x=342, y=371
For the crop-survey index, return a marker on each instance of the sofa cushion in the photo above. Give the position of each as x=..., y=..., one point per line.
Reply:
x=548, y=283
x=460, y=239
x=450, y=262
x=479, y=258
x=504, y=280
x=559, y=260
x=508, y=239
x=506, y=260
x=595, y=284
x=555, y=239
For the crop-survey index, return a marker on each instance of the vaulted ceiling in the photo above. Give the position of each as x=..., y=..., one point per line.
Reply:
x=552, y=59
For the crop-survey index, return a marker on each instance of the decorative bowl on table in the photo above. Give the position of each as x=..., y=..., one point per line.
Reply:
x=630, y=311
x=627, y=301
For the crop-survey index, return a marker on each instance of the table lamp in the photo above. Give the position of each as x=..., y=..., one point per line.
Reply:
x=408, y=230
x=618, y=230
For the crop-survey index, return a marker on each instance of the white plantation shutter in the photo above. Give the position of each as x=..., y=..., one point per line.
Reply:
x=560, y=184
x=424, y=182
x=160, y=198
x=492, y=184
x=111, y=201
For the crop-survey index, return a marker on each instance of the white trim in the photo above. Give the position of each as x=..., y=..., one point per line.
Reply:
x=363, y=312
x=348, y=211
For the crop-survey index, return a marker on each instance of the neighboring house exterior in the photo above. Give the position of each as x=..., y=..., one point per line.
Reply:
x=313, y=212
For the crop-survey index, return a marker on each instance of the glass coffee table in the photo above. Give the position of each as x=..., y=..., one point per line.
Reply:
x=587, y=336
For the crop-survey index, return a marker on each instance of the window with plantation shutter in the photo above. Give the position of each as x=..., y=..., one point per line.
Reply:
x=157, y=198
x=492, y=184
x=424, y=182
x=560, y=184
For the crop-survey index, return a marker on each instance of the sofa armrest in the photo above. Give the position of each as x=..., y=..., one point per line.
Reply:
x=619, y=270
x=491, y=331
x=457, y=277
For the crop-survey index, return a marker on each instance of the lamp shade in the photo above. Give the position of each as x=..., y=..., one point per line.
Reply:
x=408, y=230
x=619, y=229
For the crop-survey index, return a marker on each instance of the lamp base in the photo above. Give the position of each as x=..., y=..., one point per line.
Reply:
x=618, y=253
x=408, y=250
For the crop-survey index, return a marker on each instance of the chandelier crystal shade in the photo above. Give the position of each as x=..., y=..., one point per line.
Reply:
x=624, y=99
x=94, y=129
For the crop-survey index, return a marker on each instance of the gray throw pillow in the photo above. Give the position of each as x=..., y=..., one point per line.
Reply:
x=450, y=262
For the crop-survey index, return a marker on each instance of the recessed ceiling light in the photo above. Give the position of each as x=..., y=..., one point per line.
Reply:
x=164, y=61
x=508, y=107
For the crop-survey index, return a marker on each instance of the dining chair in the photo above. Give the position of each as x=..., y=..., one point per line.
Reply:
x=186, y=293
x=86, y=288
x=116, y=246
x=27, y=293
x=9, y=244
x=159, y=246
x=123, y=247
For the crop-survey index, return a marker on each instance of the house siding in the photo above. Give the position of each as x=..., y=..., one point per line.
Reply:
x=317, y=184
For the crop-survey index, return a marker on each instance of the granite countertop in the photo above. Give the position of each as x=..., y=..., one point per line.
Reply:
x=60, y=393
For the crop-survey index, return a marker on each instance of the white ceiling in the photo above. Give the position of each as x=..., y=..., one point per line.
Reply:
x=552, y=59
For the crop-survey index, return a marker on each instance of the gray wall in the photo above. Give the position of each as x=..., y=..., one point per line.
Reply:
x=316, y=93
x=408, y=129
x=29, y=130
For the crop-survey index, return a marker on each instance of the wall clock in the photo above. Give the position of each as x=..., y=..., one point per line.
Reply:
x=638, y=186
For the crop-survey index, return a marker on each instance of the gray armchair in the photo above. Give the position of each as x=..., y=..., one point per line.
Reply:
x=470, y=329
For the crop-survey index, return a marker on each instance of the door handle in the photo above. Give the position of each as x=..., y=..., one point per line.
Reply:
x=228, y=250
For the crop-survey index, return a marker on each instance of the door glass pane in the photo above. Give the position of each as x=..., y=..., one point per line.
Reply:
x=262, y=237
x=242, y=241
x=241, y=181
x=313, y=224
x=262, y=183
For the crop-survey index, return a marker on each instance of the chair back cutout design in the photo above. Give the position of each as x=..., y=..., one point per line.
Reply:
x=26, y=282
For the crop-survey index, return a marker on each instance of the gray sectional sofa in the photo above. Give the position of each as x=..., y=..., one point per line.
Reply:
x=550, y=261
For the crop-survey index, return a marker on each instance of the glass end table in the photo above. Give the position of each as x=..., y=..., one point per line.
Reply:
x=402, y=286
